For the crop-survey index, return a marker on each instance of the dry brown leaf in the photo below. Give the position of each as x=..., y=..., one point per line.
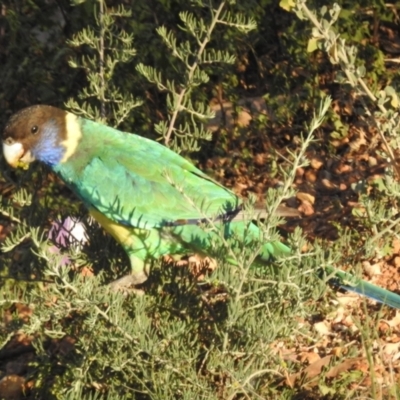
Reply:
x=316, y=163
x=302, y=196
x=336, y=351
x=87, y=271
x=346, y=365
x=4, y=231
x=316, y=368
x=343, y=169
x=311, y=175
x=309, y=356
x=260, y=159
x=300, y=172
x=348, y=321
x=306, y=208
x=244, y=118
x=24, y=311
x=311, y=371
x=22, y=338
x=328, y=184
x=356, y=144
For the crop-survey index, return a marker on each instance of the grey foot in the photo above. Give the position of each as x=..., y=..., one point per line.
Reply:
x=127, y=284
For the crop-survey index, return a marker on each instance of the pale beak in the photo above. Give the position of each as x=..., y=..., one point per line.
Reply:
x=16, y=156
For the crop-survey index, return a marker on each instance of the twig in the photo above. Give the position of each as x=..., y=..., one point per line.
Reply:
x=192, y=69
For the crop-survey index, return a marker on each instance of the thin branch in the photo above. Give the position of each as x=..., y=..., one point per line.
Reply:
x=192, y=70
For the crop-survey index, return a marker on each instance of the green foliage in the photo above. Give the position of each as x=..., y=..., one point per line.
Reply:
x=111, y=45
x=192, y=65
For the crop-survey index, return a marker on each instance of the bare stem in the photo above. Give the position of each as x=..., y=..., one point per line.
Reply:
x=192, y=70
x=101, y=60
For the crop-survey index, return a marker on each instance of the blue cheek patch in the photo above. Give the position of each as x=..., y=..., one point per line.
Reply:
x=48, y=149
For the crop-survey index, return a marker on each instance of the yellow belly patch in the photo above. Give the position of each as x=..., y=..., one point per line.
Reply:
x=119, y=232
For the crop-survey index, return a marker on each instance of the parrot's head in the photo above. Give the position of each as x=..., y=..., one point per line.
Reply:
x=36, y=133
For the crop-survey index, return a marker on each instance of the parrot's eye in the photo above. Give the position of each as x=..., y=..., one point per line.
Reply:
x=8, y=141
x=34, y=129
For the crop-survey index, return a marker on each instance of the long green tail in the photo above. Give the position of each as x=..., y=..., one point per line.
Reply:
x=343, y=280
x=351, y=283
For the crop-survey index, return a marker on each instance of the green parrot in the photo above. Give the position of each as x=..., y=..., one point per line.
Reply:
x=151, y=200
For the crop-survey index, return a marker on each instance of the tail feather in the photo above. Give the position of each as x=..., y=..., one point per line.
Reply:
x=351, y=283
x=341, y=279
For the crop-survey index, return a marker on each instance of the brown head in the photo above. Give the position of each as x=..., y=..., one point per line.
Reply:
x=35, y=133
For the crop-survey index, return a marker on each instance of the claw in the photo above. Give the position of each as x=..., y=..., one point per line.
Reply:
x=128, y=283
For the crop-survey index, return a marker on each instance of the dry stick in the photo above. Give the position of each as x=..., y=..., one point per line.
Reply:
x=343, y=57
x=101, y=60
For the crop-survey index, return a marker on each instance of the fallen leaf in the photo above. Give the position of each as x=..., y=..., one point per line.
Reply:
x=306, y=208
x=336, y=351
x=328, y=184
x=309, y=356
x=87, y=271
x=311, y=175
x=302, y=196
x=316, y=368
x=346, y=365
x=24, y=311
x=311, y=371
x=316, y=163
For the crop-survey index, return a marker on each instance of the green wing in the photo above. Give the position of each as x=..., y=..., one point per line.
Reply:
x=138, y=182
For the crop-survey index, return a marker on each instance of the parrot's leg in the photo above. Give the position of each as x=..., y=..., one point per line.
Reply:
x=138, y=275
x=134, y=241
